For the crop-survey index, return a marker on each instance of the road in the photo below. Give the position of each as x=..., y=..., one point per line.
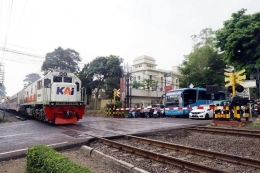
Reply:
x=16, y=137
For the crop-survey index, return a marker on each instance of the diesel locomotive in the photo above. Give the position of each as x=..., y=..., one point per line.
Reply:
x=55, y=98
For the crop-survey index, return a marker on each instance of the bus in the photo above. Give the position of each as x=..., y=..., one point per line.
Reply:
x=179, y=102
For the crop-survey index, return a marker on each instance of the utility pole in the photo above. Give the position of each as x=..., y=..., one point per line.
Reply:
x=257, y=74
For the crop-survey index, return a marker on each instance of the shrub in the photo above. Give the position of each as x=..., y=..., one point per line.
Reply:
x=42, y=158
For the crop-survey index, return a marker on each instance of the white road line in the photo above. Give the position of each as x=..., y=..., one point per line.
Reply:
x=27, y=148
x=14, y=135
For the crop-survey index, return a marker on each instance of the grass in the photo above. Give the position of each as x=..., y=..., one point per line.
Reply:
x=4, y=120
x=253, y=124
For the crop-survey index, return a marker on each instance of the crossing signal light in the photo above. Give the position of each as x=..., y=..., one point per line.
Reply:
x=235, y=81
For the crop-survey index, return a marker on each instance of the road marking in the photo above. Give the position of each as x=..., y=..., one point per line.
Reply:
x=14, y=135
x=27, y=148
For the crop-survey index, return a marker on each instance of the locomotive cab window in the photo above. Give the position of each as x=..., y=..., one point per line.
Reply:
x=47, y=83
x=77, y=84
x=67, y=79
x=57, y=79
x=39, y=84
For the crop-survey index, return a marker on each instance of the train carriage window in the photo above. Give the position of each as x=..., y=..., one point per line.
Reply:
x=39, y=84
x=47, y=83
x=57, y=79
x=77, y=84
x=67, y=79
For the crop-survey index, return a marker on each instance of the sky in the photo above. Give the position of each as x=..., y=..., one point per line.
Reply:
x=162, y=29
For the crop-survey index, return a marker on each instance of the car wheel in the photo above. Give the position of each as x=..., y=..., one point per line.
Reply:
x=207, y=116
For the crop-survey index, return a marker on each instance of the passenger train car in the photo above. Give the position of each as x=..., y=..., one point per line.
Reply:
x=56, y=98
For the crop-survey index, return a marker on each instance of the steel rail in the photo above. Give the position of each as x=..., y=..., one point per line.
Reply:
x=230, y=129
x=192, y=150
x=211, y=154
x=201, y=152
x=246, y=133
x=163, y=158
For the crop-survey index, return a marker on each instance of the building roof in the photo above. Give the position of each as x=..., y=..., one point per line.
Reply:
x=144, y=59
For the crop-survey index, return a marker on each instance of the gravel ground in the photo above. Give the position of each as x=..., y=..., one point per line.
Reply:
x=241, y=146
x=139, y=161
x=189, y=157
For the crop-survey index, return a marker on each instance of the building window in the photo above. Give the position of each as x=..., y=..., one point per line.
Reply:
x=150, y=77
x=176, y=80
x=138, y=77
x=161, y=78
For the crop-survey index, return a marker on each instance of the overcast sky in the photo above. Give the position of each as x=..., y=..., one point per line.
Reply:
x=161, y=29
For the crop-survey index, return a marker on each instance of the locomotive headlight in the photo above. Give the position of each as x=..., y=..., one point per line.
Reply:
x=52, y=103
x=60, y=73
x=64, y=74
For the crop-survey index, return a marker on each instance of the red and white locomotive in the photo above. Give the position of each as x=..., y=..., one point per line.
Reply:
x=56, y=98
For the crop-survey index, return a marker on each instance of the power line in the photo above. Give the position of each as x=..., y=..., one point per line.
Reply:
x=8, y=27
x=20, y=21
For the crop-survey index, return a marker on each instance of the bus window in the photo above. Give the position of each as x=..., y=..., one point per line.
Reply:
x=189, y=97
x=202, y=95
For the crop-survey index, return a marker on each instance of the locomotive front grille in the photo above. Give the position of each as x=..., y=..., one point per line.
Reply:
x=66, y=103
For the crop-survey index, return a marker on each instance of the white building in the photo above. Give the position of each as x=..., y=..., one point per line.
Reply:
x=144, y=69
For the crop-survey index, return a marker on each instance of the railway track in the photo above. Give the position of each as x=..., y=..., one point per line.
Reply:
x=227, y=131
x=179, y=162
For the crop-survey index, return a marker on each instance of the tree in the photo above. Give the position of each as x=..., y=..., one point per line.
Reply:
x=204, y=66
x=205, y=37
x=30, y=78
x=85, y=81
x=136, y=84
x=240, y=40
x=64, y=59
x=105, y=73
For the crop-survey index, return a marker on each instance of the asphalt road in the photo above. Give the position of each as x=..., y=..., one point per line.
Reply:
x=16, y=137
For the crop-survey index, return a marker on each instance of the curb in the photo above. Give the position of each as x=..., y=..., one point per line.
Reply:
x=111, y=161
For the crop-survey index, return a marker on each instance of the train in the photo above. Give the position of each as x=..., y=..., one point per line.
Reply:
x=56, y=98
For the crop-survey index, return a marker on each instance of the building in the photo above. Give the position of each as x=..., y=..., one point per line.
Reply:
x=147, y=83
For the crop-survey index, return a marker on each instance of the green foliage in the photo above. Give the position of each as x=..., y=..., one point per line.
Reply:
x=85, y=80
x=240, y=39
x=204, y=66
x=136, y=84
x=118, y=104
x=30, y=78
x=148, y=83
x=64, y=59
x=105, y=73
x=205, y=37
x=42, y=158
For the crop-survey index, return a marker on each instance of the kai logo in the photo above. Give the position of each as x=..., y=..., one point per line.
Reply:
x=65, y=90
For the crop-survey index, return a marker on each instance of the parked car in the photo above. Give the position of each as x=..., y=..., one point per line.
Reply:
x=201, y=112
